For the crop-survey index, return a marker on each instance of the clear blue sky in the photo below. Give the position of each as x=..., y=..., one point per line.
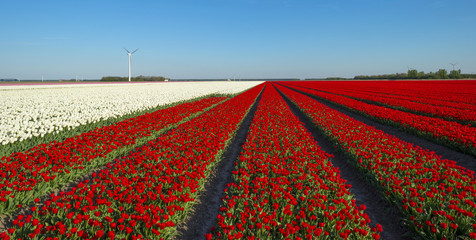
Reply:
x=234, y=38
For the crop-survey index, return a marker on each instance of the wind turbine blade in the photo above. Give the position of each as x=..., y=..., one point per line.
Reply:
x=127, y=50
x=134, y=51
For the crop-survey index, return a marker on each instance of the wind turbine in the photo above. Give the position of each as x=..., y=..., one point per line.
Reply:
x=130, y=54
x=454, y=64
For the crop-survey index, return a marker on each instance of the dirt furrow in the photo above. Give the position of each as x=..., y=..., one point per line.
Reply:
x=204, y=214
x=6, y=220
x=465, y=160
x=378, y=209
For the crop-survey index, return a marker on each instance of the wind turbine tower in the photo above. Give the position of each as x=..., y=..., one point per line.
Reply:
x=454, y=64
x=130, y=54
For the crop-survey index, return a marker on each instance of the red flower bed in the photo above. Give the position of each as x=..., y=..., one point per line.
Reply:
x=31, y=174
x=453, y=94
x=450, y=133
x=411, y=104
x=145, y=194
x=436, y=196
x=285, y=187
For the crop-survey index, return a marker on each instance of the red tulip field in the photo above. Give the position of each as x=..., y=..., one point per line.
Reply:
x=280, y=160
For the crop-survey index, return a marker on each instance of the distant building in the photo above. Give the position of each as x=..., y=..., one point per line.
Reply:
x=9, y=80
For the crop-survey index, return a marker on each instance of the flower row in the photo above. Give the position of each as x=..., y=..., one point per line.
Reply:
x=284, y=185
x=145, y=194
x=31, y=174
x=455, y=94
x=436, y=196
x=452, y=113
x=451, y=133
x=30, y=111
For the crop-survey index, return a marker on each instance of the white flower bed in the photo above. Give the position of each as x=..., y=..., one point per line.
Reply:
x=34, y=110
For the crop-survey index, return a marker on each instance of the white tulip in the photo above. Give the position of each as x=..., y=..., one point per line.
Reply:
x=29, y=110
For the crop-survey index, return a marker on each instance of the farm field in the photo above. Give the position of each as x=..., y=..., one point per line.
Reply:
x=239, y=160
x=34, y=112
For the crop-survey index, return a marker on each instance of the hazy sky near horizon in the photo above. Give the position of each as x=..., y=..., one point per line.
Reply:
x=234, y=38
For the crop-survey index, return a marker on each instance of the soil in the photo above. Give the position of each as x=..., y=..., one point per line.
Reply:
x=378, y=209
x=465, y=160
x=6, y=220
x=204, y=214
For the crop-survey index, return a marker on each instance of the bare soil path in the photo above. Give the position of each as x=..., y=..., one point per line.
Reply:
x=204, y=214
x=462, y=159
x=378, y=209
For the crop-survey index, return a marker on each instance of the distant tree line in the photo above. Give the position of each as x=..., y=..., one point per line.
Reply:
x=138, y=78
x=414, y=74
x=9, y=80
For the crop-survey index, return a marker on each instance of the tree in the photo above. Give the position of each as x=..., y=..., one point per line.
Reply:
x=412, y=74
x=455, y=74
x=442, y=74
x=421, y=75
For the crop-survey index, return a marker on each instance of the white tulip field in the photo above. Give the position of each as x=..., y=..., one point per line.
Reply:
x=27, y=111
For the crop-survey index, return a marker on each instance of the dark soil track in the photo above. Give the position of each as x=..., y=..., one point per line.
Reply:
x=378, y=209
x=204, y=214
x=465, y=160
